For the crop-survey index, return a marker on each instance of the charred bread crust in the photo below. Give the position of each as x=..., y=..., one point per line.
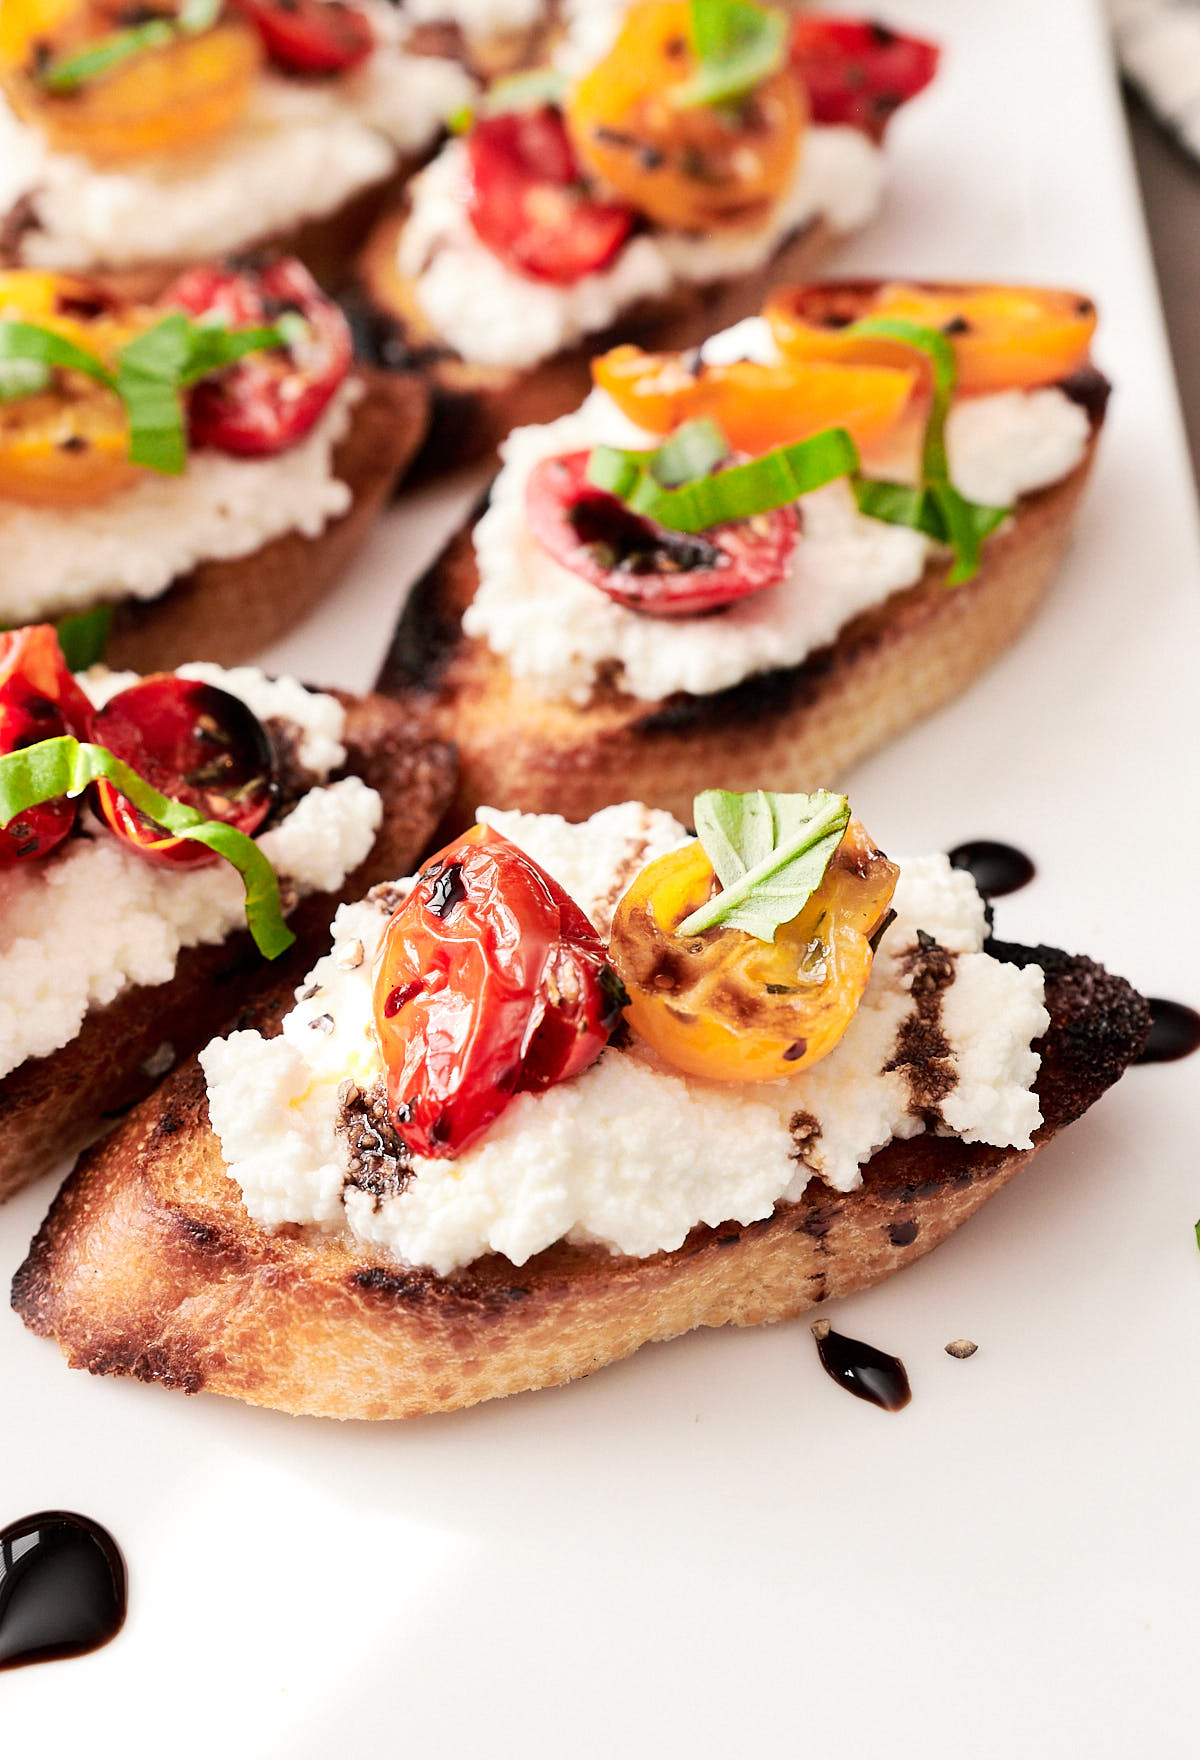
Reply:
x=475, y=407
x=228, y=611
x=889, y=667
x=148, y=1265
x=51, y=1105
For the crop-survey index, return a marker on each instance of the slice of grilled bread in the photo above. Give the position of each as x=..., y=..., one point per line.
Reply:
x=50, y=1105
x=890, y=666
x=228, y=611
x=148, y=1264
x=474, y=407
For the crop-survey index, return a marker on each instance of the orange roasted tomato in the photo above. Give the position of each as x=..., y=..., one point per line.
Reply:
x=490, y=982
x=166, y=97
x=39, y=700
x=731, y=1008
x=67, y=446
x=194, y=743
x=757, y=406
x=1002, y=336
x=690, y=167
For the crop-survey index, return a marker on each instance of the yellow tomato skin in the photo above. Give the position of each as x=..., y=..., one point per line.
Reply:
x=67, y=446
x=685, y=167
x=165, y=100
x=730, y=1008
x=1003, y=337
x=758, y=406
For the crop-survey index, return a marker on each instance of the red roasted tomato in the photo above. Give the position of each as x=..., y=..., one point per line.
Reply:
x=39, y=700
x=643, y=565
x=528, y=203
x=491, y=982
x=268, y=401
x=311, y=36
x=859, y=73
x=193, y=743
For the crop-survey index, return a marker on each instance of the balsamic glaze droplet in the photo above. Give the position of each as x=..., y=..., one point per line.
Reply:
x=62, y=1588
x=996, y=868
x=863, y=1371
x=1174, y=1031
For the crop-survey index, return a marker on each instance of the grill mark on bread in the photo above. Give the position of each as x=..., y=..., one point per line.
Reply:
x=922, y=1053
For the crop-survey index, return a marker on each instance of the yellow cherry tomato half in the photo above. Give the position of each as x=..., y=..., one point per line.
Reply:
x=686, y=167
x=67, y=446
x=162, y=100
x=758, y=406
x=1003, y=337
x=728, y=1007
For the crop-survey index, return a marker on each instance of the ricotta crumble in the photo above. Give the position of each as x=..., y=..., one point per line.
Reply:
x=300, y=151
x=631, y=1154
x=93, y=919
x=135, y=543
x=557, y=632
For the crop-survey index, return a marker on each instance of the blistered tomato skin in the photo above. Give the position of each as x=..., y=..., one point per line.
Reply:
x=858, y=73
x=490, y=982
x=311, y=36
x=39, y=700
x=193, y=743
x=727, y=1007
x=270, y=400
x=641, y=564
x=527, y=203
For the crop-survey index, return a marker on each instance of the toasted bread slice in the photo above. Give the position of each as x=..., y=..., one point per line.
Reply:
x=50, y=1105
x=889, y=667
x=475, y=407
x=148, y=1264
x=228, y=611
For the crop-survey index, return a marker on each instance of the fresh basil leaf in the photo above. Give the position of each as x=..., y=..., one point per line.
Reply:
x=66, y=766
x=738, y=45
x=32, y=342
x=195, y=16
x=83, y=637
x=156, y=366
x=22, y=379
x=72, y=71
x=694, y=450
x=526, y=91
x=770, y=853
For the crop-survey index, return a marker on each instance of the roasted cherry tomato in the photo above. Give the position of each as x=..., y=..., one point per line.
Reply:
x=490, y=982
x=757, y=406
x=67, y=446
x=164, y=99
x=39, y=700
x=856, y=72
x=729, y=1007
x=641, y=564
x=690, y=167
x=1002, y=336
x=270, y=400
x=527, y=202
x=311, y=36
x=193, y=743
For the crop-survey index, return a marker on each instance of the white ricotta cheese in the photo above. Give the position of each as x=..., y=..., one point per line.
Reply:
x=93, y=919
x=492, y=316
x=556, y=632
x=479, y=18
x=302, y=149
x=630, y=1154
x=135, y=543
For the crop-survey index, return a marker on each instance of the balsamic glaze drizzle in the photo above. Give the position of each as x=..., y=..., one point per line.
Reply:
x=996, y=868
x=1174, y=1031
x=62, y=1588
x=862, y=1370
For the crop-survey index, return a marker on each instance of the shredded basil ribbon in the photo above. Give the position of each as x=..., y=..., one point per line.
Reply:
x=648, y=481
x=738, y=45
x=151, y=371
x=518, y=91
x=936, y=507
x=769, y=851
x=70, y=72
x=66, y=766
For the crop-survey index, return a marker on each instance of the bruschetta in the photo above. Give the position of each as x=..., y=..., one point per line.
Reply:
x=126, y=939
x=140, y=139
x=579, y=641
x=647, y=187
x=573, y=1089
x=203, y=466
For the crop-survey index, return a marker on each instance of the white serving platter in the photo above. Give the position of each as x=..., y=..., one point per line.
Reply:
x=710, y=1550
